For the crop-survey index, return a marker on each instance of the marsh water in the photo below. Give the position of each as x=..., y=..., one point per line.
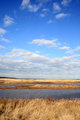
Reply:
x=40, y=93
x=40, y=83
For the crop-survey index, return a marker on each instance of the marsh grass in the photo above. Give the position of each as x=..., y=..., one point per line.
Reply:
x=39, y=109
x=38, y=86
x=17, y=81
x=20, y=83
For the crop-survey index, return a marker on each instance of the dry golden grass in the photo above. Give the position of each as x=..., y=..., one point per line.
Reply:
x=20, y=83
x=16, y=81
x=39, y=109
x=38, y=86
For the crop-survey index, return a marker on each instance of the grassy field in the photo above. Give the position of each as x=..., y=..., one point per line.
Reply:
x=20, y=83
x=39, y=109
x=16, y=81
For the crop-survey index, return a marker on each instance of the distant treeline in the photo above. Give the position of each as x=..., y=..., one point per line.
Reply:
x=22, y=78
x=9, y=77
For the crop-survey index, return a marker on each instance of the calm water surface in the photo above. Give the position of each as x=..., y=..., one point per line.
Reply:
x=76, y=84
x=40, y=93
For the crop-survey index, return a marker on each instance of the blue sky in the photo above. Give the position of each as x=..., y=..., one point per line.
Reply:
x=40, y=38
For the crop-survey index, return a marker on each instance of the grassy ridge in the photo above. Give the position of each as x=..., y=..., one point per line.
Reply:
x=39, y=109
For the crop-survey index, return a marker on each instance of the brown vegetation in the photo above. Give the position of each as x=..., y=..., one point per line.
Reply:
x=39, y=109
x=42, y=87
x=20, y=83
x=17, y=81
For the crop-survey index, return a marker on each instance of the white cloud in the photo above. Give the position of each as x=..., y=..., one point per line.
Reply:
x=64, y=48
x=56, y=6
x=70, y=51
x=45, y=10
x=2, y=31
x=50, y=43
x=32, y=8
x=77, y=48
x=22, y=63
x=5, y=40
x=25, y=3
x=42, y=15
x=61, y=15
x=8, y=21
x=50, y=21
x=65, y=2
x=29, y=56
x=73, y=50
x=2, y=47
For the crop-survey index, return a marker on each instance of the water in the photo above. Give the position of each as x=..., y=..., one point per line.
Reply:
x=4, y=86
x=76, y=84
x=40, y=93
x=41, y=83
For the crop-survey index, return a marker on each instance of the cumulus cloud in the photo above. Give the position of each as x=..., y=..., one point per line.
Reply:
x=2, y=31
x=45, y=10
x=64, y=48
x=65, y=2
x=25, y=3
x=61, y=15
x=50, y=43
x=70, y=51
x=56, y=6
x=2, y=47
x=42, y=15
x=5, y=40
x=8, y=21
x=31, y=7
x=73, y=50
x=22, y=63
x=77, y=48
x=34, y=8
x=29, y=56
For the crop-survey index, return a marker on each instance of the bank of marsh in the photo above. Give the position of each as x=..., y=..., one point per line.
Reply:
x=39, y=109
